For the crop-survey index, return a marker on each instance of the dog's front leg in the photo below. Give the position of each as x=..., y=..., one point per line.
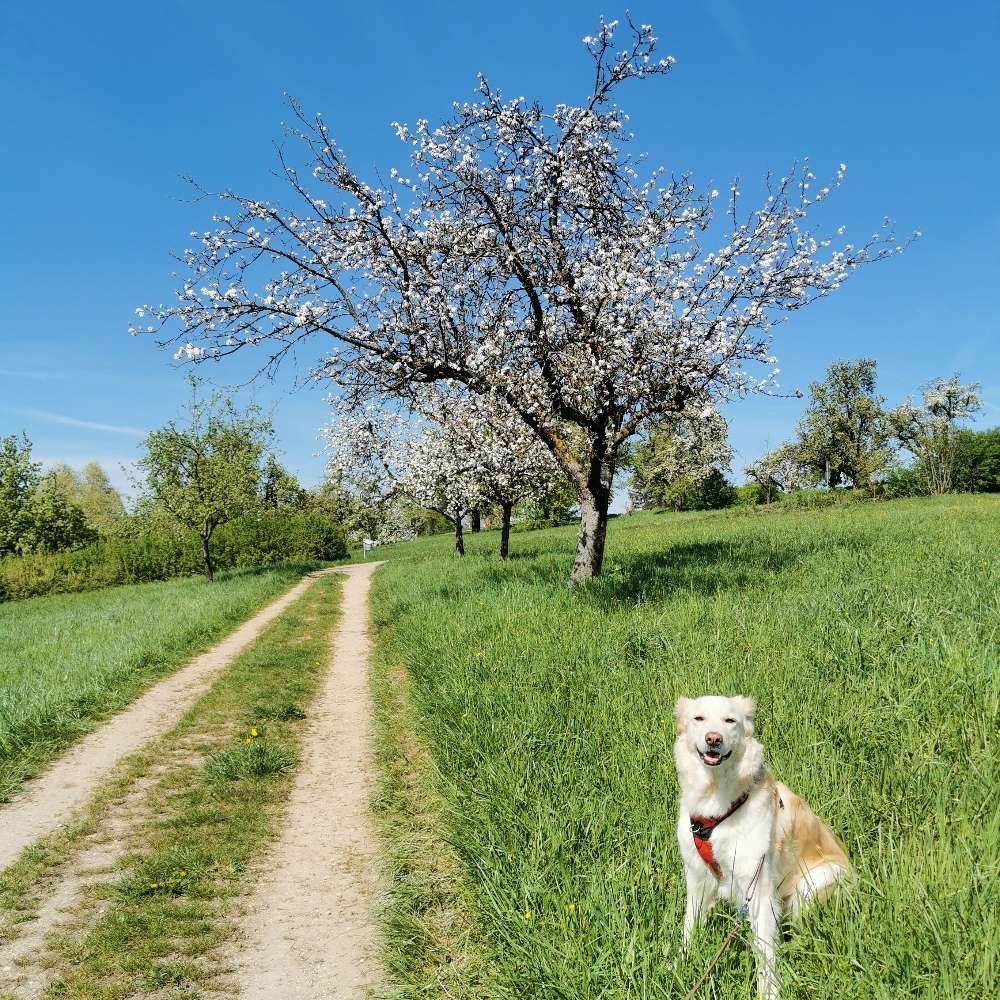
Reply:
x=764, y=925
x=698, y=903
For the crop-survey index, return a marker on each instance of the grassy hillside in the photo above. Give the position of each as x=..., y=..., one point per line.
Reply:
x=67, y=661
x=526, y=732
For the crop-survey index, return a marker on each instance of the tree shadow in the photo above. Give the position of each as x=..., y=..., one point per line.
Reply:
x=705, y=568
x=247, y=572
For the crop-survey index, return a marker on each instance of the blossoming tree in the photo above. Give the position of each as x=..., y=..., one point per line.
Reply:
x=779, y=471
x=930, y=432
x=457, y=452
x=507, y=464
x=678, y=452
x=526, y=254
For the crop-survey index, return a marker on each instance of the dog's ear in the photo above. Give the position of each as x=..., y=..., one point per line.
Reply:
x=748, y=707
x=680, y=714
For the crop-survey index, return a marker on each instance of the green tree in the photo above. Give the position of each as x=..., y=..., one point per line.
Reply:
x=977, y=461
x=280, y=490
x=54, y=522
x=208, y=470
x=19, y=478
x=37, y=513
x=844, y=434
x=555, y=507
x=91, y=490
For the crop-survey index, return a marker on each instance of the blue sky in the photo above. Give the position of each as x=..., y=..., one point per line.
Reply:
x=107, y=105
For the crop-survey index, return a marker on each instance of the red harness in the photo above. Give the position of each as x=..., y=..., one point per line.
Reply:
x=701, y=830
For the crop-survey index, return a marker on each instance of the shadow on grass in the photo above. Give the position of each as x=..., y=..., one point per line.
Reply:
x=704, y=567
x=248, y=572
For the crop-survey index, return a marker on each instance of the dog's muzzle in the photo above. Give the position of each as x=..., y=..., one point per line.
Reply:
x=713, y=757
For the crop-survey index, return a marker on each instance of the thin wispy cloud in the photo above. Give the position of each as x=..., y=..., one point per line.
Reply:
x=729, y=20
x=88, y=425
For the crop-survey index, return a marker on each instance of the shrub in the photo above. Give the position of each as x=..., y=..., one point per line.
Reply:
x=748, y=495
x=145, y=549
x=977, y=461
x=903, y=482
x=711, y=493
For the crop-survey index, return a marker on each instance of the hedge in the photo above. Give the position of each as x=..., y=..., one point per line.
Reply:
x=154, y=551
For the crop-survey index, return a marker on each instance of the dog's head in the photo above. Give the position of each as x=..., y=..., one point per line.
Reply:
x=715, y=728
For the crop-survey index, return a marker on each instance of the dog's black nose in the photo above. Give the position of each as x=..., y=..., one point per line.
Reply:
x=713, y=739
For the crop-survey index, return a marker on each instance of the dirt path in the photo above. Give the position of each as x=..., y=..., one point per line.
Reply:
x=309, y=929
x=46, y=803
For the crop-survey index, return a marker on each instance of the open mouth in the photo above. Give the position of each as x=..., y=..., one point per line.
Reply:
x=713, y=758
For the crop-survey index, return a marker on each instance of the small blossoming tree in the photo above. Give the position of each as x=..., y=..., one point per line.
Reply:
x=507, y=463
x=778, y=471
x=930, y=431
x=527, y=255
x=456, y=453
x=366, y=450
x=677, y=452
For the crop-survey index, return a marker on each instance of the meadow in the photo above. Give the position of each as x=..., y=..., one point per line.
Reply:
x=528, y=798
x=68, y=661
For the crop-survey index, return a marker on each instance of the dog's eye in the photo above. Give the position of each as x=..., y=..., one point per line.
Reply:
x=730, y=721
x=699, y=718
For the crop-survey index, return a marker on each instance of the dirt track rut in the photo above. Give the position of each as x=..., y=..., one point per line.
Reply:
x=310, y=934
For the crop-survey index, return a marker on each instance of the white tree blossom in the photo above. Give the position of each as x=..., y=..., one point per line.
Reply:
x=528, y=255
x=778, y=471
x=928, y=431
x=686, y=446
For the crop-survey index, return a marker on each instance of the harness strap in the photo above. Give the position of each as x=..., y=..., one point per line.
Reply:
x=701, y=831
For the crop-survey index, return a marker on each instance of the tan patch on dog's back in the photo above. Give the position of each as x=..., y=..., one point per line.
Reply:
x=802, y=840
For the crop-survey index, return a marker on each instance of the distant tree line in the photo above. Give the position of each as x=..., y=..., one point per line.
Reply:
x=847, y=439
x=211, y=494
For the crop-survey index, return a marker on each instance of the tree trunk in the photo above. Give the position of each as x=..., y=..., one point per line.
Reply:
x=507, y=509
x=595, y=499
x=459, y=536
x=207, y=556
x=477, y=521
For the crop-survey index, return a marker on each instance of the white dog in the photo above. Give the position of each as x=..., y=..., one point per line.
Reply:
x=743, y=836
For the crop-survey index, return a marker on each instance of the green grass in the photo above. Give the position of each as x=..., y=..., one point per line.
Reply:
x=525, y=733
x=68, y=661
x=215, y=790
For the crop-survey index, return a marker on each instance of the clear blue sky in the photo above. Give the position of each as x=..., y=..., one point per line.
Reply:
x=107, y=104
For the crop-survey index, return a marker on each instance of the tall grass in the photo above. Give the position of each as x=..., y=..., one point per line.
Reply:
x=68, y=661
x=868, y=635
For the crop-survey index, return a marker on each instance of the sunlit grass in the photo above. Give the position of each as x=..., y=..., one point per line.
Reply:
x=70, y=660
x=868, y=635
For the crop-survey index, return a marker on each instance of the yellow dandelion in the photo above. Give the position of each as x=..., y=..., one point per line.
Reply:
x=253, y=732
x=529, y=914
x=571, y=908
